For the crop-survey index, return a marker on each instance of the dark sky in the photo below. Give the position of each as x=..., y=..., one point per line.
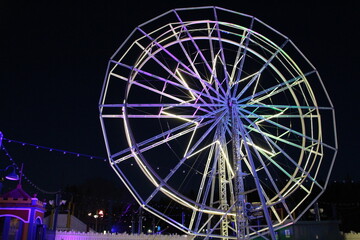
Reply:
x=53, y=58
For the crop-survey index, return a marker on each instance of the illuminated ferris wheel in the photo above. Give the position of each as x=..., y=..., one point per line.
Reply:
x=223, y=117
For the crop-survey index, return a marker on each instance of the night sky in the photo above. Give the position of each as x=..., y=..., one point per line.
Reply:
x=53, y=58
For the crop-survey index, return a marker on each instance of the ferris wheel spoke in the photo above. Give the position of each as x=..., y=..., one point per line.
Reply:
x=157, y=141
x=276, y=89
x=239, y=61
x=237, y=127
x=165, y=81
x=187, y=155
x=266, y=91
x=205, y=175
x=270, y=204
x=167, y=136
x=315, y=141
x=273, y=93
x=278, y=112
x=192, y=151
x=290, y=143
x=172, y=73
x=176, y=73
x=270, y=138
x=219, y=61
x=164, y=137
x=259, y=153
x=194, y=110
x=212, y=56
x=279, y=193
x=170, y=54
x=152, y=89
x=205, y=85
x=243, y=57
x=226, y=73
x=207, y=181
x=209, y=174
x=254, y=127
x=185, y=52
x=263, y=67
x=200, y=52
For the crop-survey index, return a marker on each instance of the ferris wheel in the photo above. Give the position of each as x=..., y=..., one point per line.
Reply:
x=214, y=114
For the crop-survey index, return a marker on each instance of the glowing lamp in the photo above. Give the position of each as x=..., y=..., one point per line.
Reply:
x=13, y=176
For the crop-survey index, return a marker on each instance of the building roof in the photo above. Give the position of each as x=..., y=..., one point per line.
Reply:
x=17, y=193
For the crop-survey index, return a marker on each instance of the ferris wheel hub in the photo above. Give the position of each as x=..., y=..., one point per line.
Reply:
x=232, y=102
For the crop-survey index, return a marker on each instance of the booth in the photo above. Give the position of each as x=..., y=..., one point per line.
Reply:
x=21, y=216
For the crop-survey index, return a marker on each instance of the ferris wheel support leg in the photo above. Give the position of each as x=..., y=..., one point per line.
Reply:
x=265, y=210
x=241, y=220
x=257, y=182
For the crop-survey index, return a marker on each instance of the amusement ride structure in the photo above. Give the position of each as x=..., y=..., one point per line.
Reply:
x=213, y=111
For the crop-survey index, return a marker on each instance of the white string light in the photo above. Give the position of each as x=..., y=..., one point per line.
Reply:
x=45, y=148
x=23, y=175
x=56, y=150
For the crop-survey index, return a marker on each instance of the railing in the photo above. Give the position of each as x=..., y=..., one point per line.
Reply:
x=60, y=235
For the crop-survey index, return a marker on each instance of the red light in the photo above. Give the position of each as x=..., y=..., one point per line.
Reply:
x=101, y=213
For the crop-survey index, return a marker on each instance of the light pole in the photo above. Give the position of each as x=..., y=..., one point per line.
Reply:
x=96, y=218
x=55, y=209
x=99, y=214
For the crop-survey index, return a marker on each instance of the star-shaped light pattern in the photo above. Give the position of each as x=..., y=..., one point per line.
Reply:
x=222, y=115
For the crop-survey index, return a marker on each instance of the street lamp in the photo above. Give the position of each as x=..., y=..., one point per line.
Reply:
x=96, y=223
x=13, y=176
x=99, y=214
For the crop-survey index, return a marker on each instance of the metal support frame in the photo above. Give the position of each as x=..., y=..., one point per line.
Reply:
x=240, y=219
x=223, y=199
